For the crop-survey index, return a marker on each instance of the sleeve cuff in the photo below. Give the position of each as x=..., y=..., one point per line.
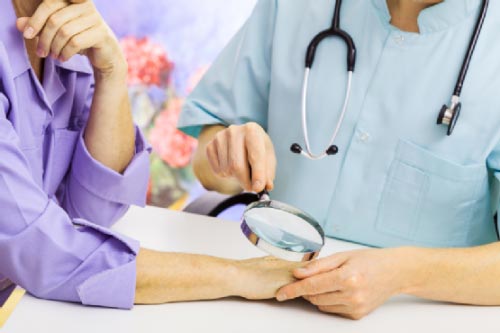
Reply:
x=193, y=118
x=74, y=261
x=127, y=188
x=115, y=287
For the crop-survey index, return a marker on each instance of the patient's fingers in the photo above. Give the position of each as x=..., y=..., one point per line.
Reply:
x=57, y=25
x=40, y=17
x=80, y=42
x=21, y=23
x=66, y=34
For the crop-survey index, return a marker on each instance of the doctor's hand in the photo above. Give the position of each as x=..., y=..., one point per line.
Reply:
x=66, y=28
x=245, y=154
x=351, y=284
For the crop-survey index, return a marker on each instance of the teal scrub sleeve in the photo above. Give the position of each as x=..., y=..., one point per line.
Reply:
x=493, y=162
x=236, y=88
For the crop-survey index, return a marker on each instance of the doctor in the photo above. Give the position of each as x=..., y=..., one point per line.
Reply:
x=391, y=177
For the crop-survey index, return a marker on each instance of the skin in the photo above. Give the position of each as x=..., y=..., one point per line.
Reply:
x=176, y=277
x=62, y=29
x=235, y=158
x=353, y=284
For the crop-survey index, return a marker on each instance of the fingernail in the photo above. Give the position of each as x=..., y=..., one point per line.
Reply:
x=40, y=52
x=281, y=297
x=257, y=185
x=302, y=270
x=29, y=32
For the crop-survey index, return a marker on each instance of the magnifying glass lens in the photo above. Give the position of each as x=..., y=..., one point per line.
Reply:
x=283, y=229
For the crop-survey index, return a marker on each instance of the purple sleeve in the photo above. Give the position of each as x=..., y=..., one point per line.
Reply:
x=44, y=252
x=99, y=194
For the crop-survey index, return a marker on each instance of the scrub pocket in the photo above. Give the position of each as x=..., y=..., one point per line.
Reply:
x=429, y=200
x=60, y=155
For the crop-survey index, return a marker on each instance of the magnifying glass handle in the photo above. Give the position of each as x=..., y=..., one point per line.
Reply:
x=264, y=196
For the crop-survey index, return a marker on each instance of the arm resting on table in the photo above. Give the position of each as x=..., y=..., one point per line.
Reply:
x=465, y=276
x=175, y=277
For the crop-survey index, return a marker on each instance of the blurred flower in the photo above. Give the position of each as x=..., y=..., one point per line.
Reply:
x=174, y=147
x=148, y=62
x=143, y=108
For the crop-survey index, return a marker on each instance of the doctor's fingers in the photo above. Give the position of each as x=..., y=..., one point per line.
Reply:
x=213, y=158
x=322, y=265
x=258, y=157
x=343, y=311
x=271, y=165
x=221, y=147
x=238, y=158
x=350, y=306
x=316, y=285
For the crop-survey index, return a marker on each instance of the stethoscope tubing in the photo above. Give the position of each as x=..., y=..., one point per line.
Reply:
x=305, y=87
x=448, y=116
x=471, y=49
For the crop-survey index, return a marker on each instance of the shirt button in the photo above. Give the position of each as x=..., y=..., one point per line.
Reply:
x=364, y=137
x=399, y=39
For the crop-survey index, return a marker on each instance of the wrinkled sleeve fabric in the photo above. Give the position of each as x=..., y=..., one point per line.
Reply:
x=235, y=90
x=96, y=193
x=45, y=251
x=493, y=162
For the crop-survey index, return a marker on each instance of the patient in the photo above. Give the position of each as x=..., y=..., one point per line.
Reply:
x=71, y=163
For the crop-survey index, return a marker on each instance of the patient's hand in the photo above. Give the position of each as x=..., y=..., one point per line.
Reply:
x=262, y=277
x=67, y=27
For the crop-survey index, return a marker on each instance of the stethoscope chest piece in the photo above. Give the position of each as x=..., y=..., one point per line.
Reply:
x=449, y=116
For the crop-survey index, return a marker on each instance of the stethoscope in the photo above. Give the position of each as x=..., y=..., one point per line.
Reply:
x=448, y=115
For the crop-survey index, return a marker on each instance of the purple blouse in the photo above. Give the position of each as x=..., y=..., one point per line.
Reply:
x=56, y=201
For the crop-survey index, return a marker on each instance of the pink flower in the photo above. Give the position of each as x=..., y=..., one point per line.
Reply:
x=148, y=62
x=173, y=146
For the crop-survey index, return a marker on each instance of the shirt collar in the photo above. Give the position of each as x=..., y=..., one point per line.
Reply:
x=14, y=44
x=438, y=17
x=77, y=63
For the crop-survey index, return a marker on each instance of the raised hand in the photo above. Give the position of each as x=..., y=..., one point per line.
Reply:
x=66, y=28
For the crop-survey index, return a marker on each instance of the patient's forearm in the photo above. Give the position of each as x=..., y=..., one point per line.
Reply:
x=172, y=277
x=176, y=277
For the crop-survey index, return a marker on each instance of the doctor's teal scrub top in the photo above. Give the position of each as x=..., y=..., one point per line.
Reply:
x=398, y=178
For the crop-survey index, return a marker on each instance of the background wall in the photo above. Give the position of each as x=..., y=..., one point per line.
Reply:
x=169, y=44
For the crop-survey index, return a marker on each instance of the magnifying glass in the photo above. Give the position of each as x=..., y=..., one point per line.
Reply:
x=281, y=230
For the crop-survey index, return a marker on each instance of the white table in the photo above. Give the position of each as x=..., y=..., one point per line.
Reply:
x=173, y=231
